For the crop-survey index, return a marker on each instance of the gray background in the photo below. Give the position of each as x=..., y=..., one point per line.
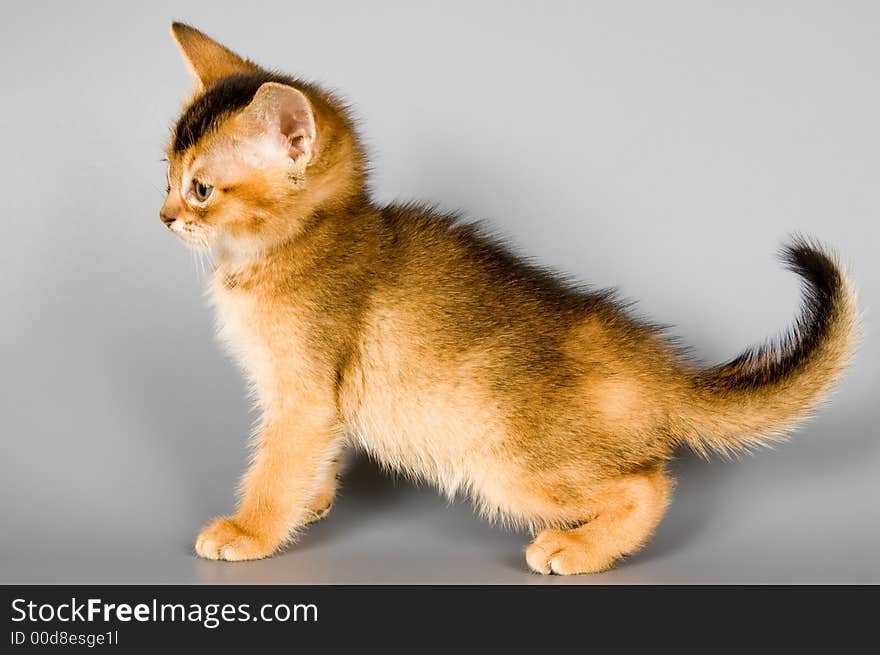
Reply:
x=664, y=148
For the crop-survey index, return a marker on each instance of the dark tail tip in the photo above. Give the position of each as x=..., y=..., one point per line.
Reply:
x=819, y=269
x=824, y=292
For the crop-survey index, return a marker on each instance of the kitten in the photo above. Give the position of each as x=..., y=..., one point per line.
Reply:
x=418, y=339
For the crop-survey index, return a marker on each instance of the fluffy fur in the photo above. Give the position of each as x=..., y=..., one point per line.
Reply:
x=424, y=342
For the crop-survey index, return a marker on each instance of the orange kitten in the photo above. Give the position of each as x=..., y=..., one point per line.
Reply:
x=420, y=340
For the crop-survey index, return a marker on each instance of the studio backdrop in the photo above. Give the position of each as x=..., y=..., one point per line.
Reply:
x=664, y=149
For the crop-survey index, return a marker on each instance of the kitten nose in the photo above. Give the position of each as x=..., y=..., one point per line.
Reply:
x=168, y=220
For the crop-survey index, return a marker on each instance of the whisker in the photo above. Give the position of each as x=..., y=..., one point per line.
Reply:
x=195, y=266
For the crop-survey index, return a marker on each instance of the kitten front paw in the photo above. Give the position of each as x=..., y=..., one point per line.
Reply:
x=223, y=539
x=319, y=507
x=315, y=515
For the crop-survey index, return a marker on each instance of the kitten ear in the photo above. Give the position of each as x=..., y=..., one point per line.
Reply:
x=283, y=119
x=207, y=60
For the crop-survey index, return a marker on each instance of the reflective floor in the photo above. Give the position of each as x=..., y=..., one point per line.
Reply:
x=802, y=513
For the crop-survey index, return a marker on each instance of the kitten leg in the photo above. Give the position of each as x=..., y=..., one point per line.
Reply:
x=293, y=453
x=322, y=502
x=625, y=512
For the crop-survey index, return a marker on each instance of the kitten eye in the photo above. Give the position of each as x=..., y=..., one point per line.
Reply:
x=202, y=190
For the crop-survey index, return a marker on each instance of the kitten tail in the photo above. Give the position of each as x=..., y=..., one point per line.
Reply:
x=756, y=398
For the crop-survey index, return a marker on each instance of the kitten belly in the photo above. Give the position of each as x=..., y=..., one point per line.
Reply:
x=450, y=435
x=416, y=422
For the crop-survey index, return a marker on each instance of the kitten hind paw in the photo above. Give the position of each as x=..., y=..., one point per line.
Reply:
x=564, y=553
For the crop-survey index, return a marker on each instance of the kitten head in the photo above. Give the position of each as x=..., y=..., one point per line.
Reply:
x=255, y=154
